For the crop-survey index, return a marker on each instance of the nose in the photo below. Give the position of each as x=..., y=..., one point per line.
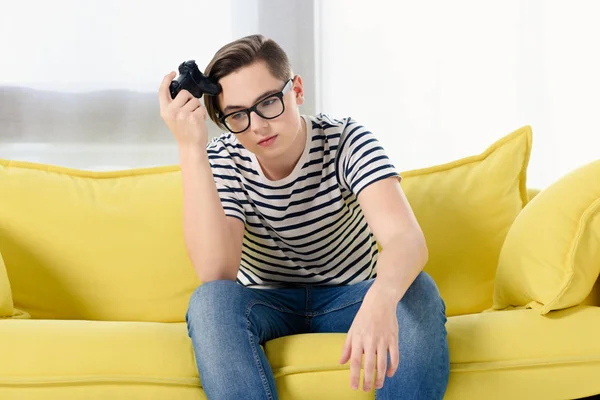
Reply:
x=257, y=123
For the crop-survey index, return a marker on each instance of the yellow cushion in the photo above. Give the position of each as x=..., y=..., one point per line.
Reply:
x=520, y=354
x=551, y=257
x=594, y=297
x=95, y=245
x=465, y=209
x=6, y=301
x=512, y=354
x=516, y=353
x=7, y=309
x=532, y=192
x=96, y=359
x=71, y=239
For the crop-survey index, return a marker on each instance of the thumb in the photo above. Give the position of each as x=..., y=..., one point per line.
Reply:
x=164, y=93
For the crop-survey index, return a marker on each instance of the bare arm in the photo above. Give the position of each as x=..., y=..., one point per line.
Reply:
x=213, y=240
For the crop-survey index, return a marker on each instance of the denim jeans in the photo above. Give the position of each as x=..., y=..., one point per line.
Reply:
x=227, y=322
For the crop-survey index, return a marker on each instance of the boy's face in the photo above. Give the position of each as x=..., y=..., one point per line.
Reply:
x=246, y=87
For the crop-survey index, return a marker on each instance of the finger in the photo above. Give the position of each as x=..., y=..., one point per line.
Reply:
x=394, y=358
x=164, y=94
x=355, y=364
x=381, y=365
x=346, y=351
x=200, y=111
x=181, y=99
x=370, y=358
x=191, y=105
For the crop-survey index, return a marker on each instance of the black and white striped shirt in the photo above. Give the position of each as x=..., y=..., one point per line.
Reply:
x=308, y=228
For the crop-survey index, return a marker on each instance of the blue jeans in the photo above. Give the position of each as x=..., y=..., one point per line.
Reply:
x=227, y=322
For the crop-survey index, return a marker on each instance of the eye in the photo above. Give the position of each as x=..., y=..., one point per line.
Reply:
x=238, y=116
x=269, y=102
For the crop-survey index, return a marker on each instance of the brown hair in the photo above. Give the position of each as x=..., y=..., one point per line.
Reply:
x=241, y=53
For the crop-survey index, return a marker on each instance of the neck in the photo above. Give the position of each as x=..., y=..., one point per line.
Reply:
x=280, y=167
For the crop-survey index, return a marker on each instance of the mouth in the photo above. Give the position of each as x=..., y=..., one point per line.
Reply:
x=267, y=141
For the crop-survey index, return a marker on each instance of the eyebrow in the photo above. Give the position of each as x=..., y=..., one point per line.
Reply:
x=262, y=96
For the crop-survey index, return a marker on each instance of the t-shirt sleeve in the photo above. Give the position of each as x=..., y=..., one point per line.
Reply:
x=228, y=182
x=363, y=160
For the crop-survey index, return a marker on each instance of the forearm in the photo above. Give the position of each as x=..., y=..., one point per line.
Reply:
x=400, y=262
x=206, y=231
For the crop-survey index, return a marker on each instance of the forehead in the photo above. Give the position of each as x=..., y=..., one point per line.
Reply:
x=244, y=86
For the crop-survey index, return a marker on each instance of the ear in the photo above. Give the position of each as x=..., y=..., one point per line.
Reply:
x=298, y=90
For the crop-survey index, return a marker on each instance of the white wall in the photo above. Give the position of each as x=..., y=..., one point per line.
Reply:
x=439, y=80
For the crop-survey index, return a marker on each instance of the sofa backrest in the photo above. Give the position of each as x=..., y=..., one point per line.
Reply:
x=98, y=246
x=110, y=246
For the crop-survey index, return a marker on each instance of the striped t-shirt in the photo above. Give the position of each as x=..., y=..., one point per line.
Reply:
x=307, y=228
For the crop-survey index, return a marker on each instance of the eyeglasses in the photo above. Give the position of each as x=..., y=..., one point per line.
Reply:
x=269, y=107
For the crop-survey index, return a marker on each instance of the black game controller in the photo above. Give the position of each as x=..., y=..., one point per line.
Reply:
x=191, y=79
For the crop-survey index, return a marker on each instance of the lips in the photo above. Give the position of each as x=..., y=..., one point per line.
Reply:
x=266, y=139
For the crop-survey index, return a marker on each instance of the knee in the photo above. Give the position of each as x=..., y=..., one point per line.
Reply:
x=423, y=337
x=424, y=297
x=209, y=300
x=208, y=291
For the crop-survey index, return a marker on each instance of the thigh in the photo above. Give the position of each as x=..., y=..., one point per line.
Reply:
x=333, y=308
x=218, y=308
x=227, y=322
x=277, y=312
x=422, y=338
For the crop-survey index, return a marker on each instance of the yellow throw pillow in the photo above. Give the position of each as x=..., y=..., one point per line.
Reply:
x=465, y=209
x=95, y=245
x=551, y=257
x=7, y=309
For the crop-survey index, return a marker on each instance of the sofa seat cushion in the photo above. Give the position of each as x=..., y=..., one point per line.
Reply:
x=74, y=353
x=512, y=354
x=522, y=354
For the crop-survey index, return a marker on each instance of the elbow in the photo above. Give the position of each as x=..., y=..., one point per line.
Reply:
x=211, y=270
x=212, y=277
x=219, y=275
x=419, y=249
x=420, y=245
x=409, y=246
x=424, y=253
x=212, y=267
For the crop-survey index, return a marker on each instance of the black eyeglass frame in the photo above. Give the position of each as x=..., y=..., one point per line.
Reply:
x=279, y=95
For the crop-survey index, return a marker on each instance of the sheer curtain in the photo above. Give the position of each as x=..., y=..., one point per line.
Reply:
x=73, y=45
x=78, y=79
x=439, y=80
x=434, y=80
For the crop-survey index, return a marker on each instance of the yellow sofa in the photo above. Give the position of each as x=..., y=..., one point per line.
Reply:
x=97, y=281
